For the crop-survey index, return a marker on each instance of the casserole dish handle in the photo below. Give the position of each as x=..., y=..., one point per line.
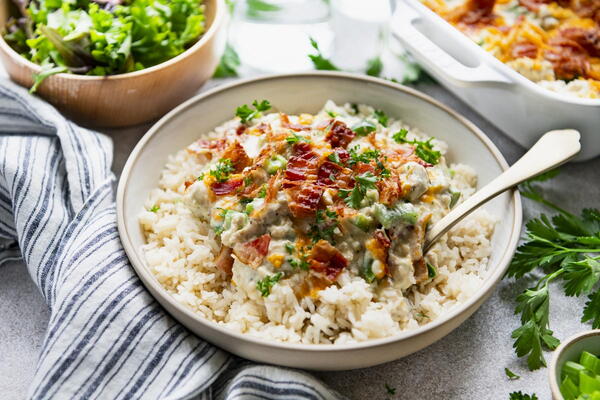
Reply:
x=434, y=57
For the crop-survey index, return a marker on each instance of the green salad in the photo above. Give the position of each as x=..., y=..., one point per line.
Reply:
x=581, y=380
x=102, y=37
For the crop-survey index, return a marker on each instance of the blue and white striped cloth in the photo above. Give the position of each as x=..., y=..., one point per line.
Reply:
x=107, y=338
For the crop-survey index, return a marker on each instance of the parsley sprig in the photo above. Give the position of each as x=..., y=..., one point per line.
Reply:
x=363, y=182
x=264, y=285
x=318, y=60
x=423, y=149
x=247, y=114
x=222, y=170
x=566, y=247
x=326, y=222
x=522, y=396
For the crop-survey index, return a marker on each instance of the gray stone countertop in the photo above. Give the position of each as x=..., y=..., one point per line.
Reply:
x=467, y=364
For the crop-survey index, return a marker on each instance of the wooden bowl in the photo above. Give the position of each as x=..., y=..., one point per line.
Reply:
x=131, y=98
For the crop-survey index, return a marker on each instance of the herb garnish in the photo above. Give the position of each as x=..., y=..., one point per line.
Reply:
x=154, y=208
x=365, y=157
x=229, y=63
x=295, y=138
x=511, y=375
x=299, y=263
x=354, y=197
x=264, y=285
x=222, y=170
x=290, y=248
x=247, y=114
x=320, y=62
x=324, y=227
x=521, y=396
x=423, y=149
x=262, y=193
x=381, y=117
x=335, y=158
x=565, y=246
x=363, y=128
x=390, y=390
x=332, y=114
x=374, y=67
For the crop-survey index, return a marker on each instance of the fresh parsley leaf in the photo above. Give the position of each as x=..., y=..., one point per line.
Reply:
x=290, y=248
x=331, y=113
x=390, y=390
x=154, y=208
x=326, y=223
x=365, y=156
x=454, y=197
x=511, y=375
x=363, y=128
x=222, y=170
x=299, y=263
x=247, y=114
x=591, y=311
x=423, y=149
x=264, y=285
x=381, y=117
x=229, y=63
x=374, y=67
x=520, y=396
x=319, y=61
x=335, y=158
x=254, y=8
x=353, y=198
x=431, y=271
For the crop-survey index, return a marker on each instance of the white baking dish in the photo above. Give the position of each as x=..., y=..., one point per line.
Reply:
x=516, y=105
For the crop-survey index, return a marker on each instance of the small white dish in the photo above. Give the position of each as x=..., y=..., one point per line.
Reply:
x=308, y=92
x=570, y=350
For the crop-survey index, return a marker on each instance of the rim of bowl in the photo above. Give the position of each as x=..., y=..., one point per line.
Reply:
x=140, y=267
x=554, y=387
x=217, y=22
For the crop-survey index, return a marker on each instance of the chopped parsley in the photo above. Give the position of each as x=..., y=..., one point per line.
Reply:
x=353, y=198
x=454, y=197
x=262, y=193
x=511, y=375
x=335, y=158
x=247, y=114
x=154, y=208
x=363, y=128
x=295, y=138
x=390, y=390
x=318, y=60
x=264, y=285
x=247, y=180
x=521, y=396
x=423, y=149
x=222, y=170
x=381, y=117
x=200, y=177
x=290, y=248
x=431, y=271
x=332, y=114
x=365, y=157
x=299, y=263
x=326, y=223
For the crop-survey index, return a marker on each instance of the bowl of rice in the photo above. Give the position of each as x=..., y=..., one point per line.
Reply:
x=282, y=219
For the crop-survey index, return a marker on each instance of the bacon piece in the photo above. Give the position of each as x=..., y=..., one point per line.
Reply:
x=343, y=154
x=473, y=12
x=420, y=268
x=533, y=5
x=224, y=261
x=328, y=170
x=304, y=199
x=302, y=165
x=568, y=58
x=327, y=260
x=588, y=39
x=524, y=49
x=273, y=185
x=207, y=147
x=227, y=187
x=253, y=252
x=236, y=153
x=339, y=135
x=241, y=129
x=390, y=190
x=361, y=168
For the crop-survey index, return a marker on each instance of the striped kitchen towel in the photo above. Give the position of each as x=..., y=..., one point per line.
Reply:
x=107, y=338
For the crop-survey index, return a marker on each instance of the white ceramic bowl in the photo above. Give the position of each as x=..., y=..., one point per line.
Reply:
x=570, y=350
x=307, y=93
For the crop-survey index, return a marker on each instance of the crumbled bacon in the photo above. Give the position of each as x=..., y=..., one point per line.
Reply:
x=588, y=39
x=524, y=49
x=361, y=168
x=327, y=171
x=568, y=58
x=303, y=199
x=236, y=153
x=228, y=187
x=533, y=5
x=342, y=153
x=253, y=252
x=241, y=129
x=420, y=270
x=273, y=187
x=303, y=164
x=327, y=260
x=382, y=239
x=207, y=147
x=473, y=12
x=224, y=261
x=339, y=135
x=390, y=190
